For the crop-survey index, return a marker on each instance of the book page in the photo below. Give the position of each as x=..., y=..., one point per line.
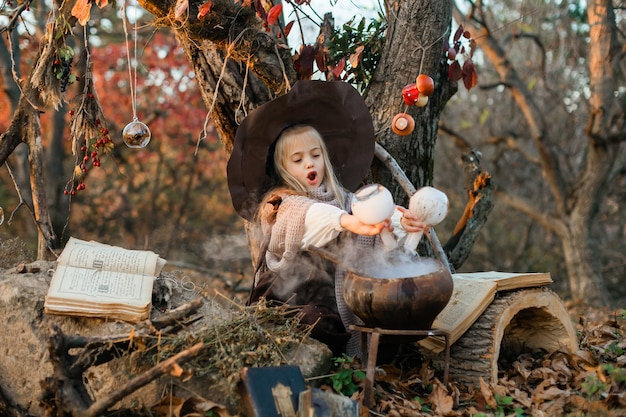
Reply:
x=510, y=280
x=93, y=255
x=469, y=300
x=100, y=287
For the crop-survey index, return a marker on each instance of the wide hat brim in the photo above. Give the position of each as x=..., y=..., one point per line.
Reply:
x=335, y=109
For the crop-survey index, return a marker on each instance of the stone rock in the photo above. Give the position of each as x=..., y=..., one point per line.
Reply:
x=24, y=359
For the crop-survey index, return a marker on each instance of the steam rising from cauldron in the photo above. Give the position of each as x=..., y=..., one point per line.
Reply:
x=375, y=263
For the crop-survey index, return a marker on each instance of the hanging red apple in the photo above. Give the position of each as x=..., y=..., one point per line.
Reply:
x=425, y=84
x=410, y=94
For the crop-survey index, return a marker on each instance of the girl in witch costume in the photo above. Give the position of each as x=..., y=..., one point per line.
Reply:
x=294, y=164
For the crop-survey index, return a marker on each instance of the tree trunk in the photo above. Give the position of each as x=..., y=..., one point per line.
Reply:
x=416, y=34
x=46, y=240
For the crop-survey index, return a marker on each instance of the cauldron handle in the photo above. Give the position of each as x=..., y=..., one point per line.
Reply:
x=441, y=254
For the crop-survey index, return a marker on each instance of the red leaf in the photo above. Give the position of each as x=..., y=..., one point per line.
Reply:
x=458, y=33
x=204, y=9
x=320, y=59
x=288, y=28
x=304, y=62
x=338, y=69
x=454, y=71
x=469, y=74
x=274, y=14
x=451, y=54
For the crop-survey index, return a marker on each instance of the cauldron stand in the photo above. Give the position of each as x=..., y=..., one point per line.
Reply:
x=370, y=357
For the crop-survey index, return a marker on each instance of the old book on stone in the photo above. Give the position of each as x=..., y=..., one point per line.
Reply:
x=473, y=292
x=97, y=280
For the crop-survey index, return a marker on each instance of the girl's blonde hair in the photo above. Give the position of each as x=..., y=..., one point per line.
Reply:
x=281, y=152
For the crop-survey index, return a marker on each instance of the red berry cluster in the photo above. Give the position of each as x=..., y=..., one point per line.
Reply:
x=103, y=144
x=79, y=187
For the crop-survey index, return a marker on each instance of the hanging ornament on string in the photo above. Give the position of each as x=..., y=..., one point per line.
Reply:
x=136, y=134
x=414, y=94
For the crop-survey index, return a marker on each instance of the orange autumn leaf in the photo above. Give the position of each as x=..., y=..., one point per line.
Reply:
x=176, y=370
x=355, y=58
x=442, y=401
x=485, y=390
x=82, y=11
x=204, y=9
x=274, y=14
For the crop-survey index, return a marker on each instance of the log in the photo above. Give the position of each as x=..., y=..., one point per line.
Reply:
x=530, y=318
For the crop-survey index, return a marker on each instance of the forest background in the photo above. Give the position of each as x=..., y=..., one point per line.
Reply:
x=171, y=197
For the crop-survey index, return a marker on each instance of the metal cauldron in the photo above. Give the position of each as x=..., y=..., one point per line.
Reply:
x=406, y=296
x=399, y=303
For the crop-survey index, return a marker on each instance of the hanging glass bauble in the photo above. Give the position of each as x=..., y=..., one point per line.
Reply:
x=136, y=134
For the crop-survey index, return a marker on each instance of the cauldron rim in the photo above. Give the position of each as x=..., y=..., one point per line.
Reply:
x=359, y=274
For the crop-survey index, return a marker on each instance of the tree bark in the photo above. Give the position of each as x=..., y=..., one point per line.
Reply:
x=46, y=239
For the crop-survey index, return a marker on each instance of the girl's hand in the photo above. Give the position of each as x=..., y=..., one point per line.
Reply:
x=354, y=225
x=410, y=223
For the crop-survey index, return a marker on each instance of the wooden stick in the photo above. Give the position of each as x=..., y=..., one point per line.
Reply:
x=170, y=365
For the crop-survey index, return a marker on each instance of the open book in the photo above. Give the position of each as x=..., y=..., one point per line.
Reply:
x=473, y=292
x=97, y=280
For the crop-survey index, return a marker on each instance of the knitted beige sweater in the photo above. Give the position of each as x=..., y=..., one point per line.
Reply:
x=286, y=239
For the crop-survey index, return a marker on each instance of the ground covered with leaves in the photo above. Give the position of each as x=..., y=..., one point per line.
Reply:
x=589, y=382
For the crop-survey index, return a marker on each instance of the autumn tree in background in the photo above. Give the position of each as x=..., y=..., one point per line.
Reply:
x=549, y=116
x=155, y=197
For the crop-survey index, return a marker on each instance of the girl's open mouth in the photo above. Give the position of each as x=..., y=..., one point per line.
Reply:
x=312, y=177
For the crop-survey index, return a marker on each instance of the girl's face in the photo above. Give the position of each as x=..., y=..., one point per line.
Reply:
x=305, y=161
